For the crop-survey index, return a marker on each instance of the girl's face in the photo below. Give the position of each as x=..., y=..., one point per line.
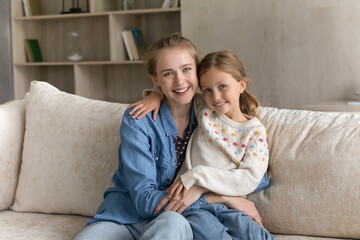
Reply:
x=176, y=76
x=221, y=92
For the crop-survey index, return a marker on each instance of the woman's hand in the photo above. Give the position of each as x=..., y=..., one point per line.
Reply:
x=193, y=194
x=237, y=203
x=176, y=189
x=146, y=105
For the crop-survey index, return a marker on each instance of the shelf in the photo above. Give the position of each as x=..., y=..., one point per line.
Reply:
x=105, y=73
x=332, y=106
x=84, y=15
x=78, y=63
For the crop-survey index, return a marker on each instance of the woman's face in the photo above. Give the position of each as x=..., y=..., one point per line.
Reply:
x=176, y=76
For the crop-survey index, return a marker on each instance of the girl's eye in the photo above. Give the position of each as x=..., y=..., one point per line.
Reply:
x=222, y=86
x=206, y=90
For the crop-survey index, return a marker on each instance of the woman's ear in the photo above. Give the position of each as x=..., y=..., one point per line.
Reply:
x=154, y=80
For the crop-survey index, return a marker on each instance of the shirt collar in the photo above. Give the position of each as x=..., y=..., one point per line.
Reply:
x=168, y=121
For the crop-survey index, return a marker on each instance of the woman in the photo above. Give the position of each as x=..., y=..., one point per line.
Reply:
x=138, y=206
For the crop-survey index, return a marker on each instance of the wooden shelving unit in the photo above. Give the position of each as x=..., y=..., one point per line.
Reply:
x=105, y=72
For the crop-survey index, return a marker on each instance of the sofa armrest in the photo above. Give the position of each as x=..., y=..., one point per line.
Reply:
x=12, y=128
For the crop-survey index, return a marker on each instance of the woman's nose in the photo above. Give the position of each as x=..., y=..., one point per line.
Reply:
x=179, y=78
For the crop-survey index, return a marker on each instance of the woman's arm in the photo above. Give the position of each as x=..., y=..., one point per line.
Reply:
x=179, y=205
x=137, y=167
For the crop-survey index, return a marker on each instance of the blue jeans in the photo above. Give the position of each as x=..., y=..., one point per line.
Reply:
x=217, y=221
x=168, y=225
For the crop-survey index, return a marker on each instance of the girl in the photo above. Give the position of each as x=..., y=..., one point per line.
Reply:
x=228, y=152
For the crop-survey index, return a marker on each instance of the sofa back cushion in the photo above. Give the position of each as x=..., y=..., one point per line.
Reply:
x=70, y=151
x=315, y=186
x=12, y=126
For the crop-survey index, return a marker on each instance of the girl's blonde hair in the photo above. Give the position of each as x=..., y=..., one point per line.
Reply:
x=228, y=62
x=170, y=41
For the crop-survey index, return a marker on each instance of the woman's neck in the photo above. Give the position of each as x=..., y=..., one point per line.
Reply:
x=181, y=116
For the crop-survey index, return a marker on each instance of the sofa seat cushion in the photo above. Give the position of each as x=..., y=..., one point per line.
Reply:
x=24, y=226
x=299, y=237
x=315, y=185
x=70, y=152
x=21, y=226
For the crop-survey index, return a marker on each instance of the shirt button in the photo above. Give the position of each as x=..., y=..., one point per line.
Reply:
x=156, y=158
x=174, y=160
x=201, y=202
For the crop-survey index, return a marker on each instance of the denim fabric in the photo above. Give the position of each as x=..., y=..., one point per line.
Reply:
x=217, y=221
x=168, y=225
x=147, y=164
x=264, y=183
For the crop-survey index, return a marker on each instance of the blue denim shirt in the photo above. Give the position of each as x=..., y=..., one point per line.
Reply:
x=147, y=164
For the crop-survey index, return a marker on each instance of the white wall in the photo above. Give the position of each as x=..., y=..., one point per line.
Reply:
x=296, y=52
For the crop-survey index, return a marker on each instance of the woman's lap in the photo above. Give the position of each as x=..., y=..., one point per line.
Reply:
x=168, y=225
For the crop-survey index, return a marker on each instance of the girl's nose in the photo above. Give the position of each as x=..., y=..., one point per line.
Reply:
x=216, y=95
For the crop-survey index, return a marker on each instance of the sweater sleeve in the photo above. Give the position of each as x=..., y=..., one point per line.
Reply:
x=240, y=180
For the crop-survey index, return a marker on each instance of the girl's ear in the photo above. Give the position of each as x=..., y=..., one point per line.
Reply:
x=243, y=84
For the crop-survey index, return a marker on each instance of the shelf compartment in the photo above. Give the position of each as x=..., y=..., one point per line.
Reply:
x=165, y=24
x=61, y=77
x=55, y=41
x=112, y=82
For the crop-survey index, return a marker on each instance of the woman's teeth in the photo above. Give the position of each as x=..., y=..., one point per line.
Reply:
x=181, y=90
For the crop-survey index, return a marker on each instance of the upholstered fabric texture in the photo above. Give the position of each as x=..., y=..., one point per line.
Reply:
x=14, y=226
x=19, y=226
x=70, y=152
x=12, y=125
x=315, y=186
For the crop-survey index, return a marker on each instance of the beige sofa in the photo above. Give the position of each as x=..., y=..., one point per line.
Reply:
x=58, y=152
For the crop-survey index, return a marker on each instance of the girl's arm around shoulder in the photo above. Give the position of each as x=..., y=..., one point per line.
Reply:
x=143, y=107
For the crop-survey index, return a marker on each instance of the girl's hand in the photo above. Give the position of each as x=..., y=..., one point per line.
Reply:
x=193, y=194
x=177, y=189
x=237, y=203
x=146, y=105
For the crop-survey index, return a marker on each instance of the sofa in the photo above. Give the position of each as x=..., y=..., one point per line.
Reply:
x=58, y=152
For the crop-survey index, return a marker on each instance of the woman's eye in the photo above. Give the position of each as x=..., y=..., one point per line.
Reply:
x=166, y=74
x=222, y=86
x=187, y=69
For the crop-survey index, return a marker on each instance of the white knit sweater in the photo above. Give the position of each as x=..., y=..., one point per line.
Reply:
x=225, y=157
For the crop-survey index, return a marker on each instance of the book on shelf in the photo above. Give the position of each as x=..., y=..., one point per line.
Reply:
x=133, y=46
x=139, y=42
x=33, y=52
x=134, y=43
x=32, y=7
x=127, y=44
x=170, y=4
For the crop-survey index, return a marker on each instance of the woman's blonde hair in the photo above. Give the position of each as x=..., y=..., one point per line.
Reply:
x=170, y=41
x=228, y=62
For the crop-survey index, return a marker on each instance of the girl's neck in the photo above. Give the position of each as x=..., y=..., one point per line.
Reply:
x=238, y=116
